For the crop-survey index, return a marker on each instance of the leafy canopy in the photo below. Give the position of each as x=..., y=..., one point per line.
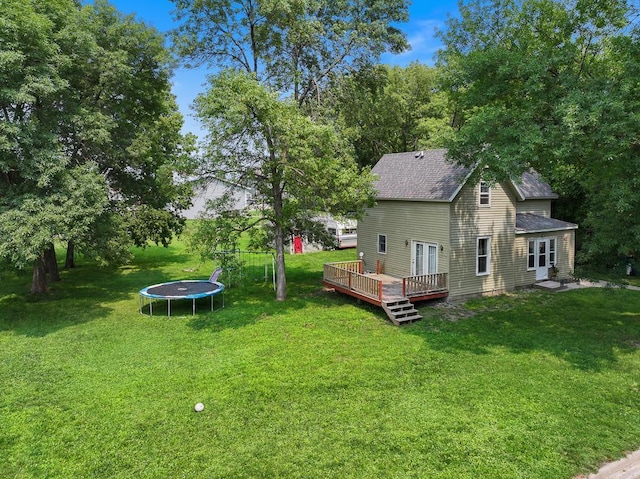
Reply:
x=292, y=46
x=276, y=59
x=390, y=109
x=551, y=84
x=90, y=134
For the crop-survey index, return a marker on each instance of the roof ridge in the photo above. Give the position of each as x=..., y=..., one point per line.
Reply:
x=428, y=175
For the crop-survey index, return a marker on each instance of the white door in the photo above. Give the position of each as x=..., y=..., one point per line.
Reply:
x=424, y=258
x=542, y=258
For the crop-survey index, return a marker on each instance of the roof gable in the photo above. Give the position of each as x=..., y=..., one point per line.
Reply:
x=428, y=176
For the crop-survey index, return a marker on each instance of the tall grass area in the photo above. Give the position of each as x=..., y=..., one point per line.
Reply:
x=529, y=385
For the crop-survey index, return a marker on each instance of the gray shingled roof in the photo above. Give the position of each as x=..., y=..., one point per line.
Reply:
x=533, y=187
x=412, y=176
x=531, y=223
x=428, y=176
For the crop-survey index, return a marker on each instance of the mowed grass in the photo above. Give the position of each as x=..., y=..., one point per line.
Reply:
x=529, y=385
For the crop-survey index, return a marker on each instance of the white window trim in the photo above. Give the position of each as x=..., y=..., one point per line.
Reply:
x=435, y=266
x=488, y=272
x=555, y=251
x=386, y=244
x=481, y=195
x=534, y=241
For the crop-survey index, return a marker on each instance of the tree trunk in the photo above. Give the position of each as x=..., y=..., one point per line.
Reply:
x=70, y=261
x=278, y=232
x=51, y=263
x=39, y=282
x=281, y=280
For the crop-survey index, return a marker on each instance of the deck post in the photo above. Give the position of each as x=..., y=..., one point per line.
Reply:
x=404, y=287
x=349, y=279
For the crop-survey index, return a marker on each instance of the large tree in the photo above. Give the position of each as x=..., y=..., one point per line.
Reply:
x=293, y=46
x=89, y=135
x=552, y=84
x=39, y=189
x=122, y=115
x=277, y=58
x=296, y=166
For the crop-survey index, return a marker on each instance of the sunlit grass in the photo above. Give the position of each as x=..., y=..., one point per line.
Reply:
x=529, y=385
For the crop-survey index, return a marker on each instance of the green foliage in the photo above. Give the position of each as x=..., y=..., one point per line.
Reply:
x=89, y=129
x=391, y=109
x=44, y=195
x=552, y=85
x=107, y=242
x=123, y=116
x=267, y=50
x=146, y=223
x=296, y=166
x=71, y=206
x=293, y=46
x=531, y=385
x=222, y=230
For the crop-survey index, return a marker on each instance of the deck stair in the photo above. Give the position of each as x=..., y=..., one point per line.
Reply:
x=401, y=311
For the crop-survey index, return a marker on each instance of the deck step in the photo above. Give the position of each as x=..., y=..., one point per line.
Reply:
x=401, y=311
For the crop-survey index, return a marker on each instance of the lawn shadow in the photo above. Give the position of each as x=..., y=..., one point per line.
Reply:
x=589, y=329
x=89, y=292
x=253, y=302
x=85, y=293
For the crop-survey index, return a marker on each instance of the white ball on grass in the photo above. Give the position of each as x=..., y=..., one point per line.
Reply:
x=199, y=407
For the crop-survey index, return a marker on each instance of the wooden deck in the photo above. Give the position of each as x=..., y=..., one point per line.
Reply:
x=379, y=289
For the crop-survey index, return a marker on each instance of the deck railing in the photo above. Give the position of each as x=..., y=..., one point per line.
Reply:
x=424, y=284
x=354, y=266
x=348, y=274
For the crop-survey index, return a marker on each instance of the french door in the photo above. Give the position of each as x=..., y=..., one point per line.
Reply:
x=542, y=255
x=424, y=258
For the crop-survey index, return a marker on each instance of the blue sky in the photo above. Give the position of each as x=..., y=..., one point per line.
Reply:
x=425, y=17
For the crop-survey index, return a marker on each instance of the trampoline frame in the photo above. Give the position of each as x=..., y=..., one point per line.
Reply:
x=144, y=293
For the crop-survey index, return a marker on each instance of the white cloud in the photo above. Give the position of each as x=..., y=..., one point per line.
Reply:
x=424, y=44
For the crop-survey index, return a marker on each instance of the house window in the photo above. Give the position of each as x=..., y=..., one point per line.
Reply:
x=531, y=255
x=483, y=257
x=382, y=244
x=485, y=194
x=552, y=251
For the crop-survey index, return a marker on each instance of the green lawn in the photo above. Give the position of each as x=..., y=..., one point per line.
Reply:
x=530, y=385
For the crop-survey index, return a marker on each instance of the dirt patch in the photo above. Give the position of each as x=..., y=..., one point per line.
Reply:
x=452, y=311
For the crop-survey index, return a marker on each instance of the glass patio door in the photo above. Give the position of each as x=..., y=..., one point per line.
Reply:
x=424, y=258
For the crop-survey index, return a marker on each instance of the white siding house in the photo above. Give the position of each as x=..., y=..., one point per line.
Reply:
x=214, y=190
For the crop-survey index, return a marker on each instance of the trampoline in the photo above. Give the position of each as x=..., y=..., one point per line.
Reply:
x=185, y=289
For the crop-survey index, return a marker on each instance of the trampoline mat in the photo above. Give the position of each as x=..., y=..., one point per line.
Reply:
x=180, y=288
